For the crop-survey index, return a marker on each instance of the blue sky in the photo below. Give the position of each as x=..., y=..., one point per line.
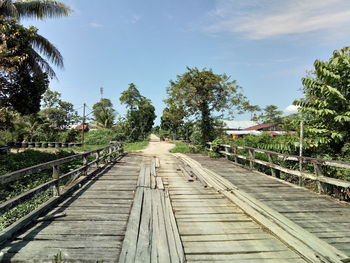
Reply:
x=266, y=45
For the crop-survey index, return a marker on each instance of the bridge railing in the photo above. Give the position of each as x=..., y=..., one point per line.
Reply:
x=61, y=184
x=272, y=160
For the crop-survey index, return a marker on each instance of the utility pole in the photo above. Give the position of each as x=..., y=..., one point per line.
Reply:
x=82, y=137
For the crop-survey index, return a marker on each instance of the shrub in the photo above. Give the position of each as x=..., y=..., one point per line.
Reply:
x=71, y=135
x=182, y=147
x=100, y=137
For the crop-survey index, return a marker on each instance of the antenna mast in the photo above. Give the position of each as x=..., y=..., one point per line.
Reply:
x=101, y=92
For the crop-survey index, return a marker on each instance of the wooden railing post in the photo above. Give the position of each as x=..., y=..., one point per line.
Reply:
x=226, y=152
x=251, y=158
x=318, y=172
x=235, y=154
x=56, y=175
x=301, y=178
x=273, y=171
x=85, y=162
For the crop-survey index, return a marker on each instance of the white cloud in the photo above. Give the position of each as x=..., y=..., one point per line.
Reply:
x=260, y=19
x=95, y=25
x=291, y=109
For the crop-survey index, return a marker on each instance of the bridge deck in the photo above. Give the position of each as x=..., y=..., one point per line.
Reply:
x=213, y=229
x=94, y=225
x=321, y=215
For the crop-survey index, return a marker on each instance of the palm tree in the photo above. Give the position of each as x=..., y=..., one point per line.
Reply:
x=105, y=119
x=38, y=9
x=27, y=45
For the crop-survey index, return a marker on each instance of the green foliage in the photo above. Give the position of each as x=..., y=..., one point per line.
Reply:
x=58, y=258
x=57, y=114
x=271, y=114
x=24, y=44
x=141, y=114
x=16, y=161
x=171, y=119
x=182, y=147
x=287, y=143
x=200, y=93
x=5, y=137
x=100, y=137
x=33, y=9
x=104, y=113
x=135, y=146
x=23, y=72
x=71, y=135
x=326, y=107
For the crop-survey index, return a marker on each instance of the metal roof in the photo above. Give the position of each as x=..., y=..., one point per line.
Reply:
x=239, y=125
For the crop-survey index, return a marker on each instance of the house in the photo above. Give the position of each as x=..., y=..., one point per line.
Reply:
x=82, y=127
x=273, y=126
x=257, y=129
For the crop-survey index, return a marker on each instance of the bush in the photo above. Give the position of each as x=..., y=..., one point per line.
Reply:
x=71, y=135
x=100, y=137
x=16, y=161
x=5, y=137
x=182, y=147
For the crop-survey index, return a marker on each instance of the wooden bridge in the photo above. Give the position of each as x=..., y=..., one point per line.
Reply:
x=160, y=207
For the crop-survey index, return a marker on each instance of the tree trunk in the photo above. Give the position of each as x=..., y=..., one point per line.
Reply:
x=206, y=124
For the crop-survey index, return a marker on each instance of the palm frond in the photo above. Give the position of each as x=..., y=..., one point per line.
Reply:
x=8, y=9
x=46, y=48
x=40, y=65
x=41, y=8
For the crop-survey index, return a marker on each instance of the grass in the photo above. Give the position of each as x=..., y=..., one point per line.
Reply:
x=135, y=146
x=182, y=147
x=84, y=148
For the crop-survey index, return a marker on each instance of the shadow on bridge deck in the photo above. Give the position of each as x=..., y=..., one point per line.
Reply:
x=92, y=223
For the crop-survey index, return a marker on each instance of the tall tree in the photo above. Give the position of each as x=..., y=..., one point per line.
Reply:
x=60, y=114
x=172, y=119
x=38, y=9
x=104, y=114
x=326, y=105
x=131, y=97
x=271, y=114
x=141, y=113
x=25, y=46
x=24, y=74
x=202, y=93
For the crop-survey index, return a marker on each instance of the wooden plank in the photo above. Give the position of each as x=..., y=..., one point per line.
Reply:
x=314, y=250
x=141, y=179
x=147, y=177
x=162, y=239
x=143, y=245
x=128, y=251
x=160, y=184
x=174, y=230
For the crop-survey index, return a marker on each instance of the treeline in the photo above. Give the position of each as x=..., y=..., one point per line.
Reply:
x=57, y=121
x=134, y=126
x=198, y=100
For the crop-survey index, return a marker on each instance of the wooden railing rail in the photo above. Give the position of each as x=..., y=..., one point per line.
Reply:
x=74, y=177
x=318, y=176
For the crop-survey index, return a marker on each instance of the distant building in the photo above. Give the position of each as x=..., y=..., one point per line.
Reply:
x=263, y=127
x=82, y=127
x=255, y=129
